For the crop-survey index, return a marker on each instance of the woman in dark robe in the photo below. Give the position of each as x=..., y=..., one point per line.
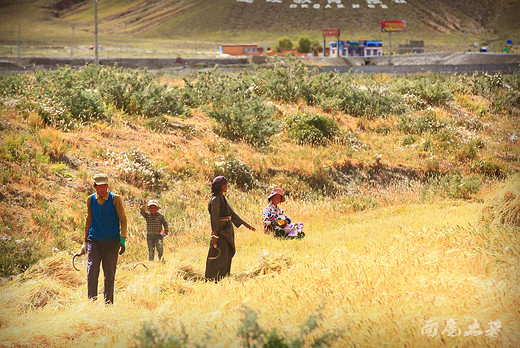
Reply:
x=222, y=246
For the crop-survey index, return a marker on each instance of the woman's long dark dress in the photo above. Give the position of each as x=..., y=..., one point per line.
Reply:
x=219, y=267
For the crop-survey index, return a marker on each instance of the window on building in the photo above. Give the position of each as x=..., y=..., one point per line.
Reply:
x=250, y=49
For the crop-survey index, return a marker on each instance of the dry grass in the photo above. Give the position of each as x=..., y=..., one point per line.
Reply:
x=379, y=276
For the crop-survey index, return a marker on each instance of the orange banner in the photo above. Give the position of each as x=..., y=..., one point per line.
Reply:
x=330, y=32
x=393, y=25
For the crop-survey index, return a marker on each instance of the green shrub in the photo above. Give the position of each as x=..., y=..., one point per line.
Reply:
x=13, y=84
x=249, y=121
x=54, y=113
x=84, y=104
x=423, y=123
x=162, y=100
x=188, y=94
x=321, y=180
x=437, y=93
x=125, y=89
x=52, y=146
x=284, y=79
x=448, y=139
x=137, y=169
x=306, y=128
x=372, y=103
x=502, y=90
x=350, y=139
x=15, y=149
x=250, y=333
x=336, y=91
x=150, y=337
x=409, y=140
x=360, y=203
x=158, y=124
x=71, y=96
x=427, y=144
x=235, y=170
x=234, y=103
x=66, y=97
x=468, y=152
x=16, y=255
x=138, y=92
x=452, y=185
x=490, y=167
x=221, y=89
x=304, y=44
x=473, y=124
x=52, y=223
x=284, y=43
x=253, y=335
x=421, y=90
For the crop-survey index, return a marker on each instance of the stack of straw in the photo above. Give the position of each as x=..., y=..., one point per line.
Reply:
x=504, y=207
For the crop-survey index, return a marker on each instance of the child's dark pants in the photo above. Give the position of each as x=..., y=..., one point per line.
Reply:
x=153, y=243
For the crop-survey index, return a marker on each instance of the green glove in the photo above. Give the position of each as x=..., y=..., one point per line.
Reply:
x=122, y=245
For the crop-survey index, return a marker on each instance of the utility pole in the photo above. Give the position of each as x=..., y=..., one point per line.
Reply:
x=390, y=48
x=19, y=34
x=96, y=33
x=398, y=42
x=465, y=43
x=72, y=44
x=337, y=41
x=11, y=43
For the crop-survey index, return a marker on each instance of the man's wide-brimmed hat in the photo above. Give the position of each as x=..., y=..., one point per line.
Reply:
x=276, y=191
x=101, y=179
x=153, y=202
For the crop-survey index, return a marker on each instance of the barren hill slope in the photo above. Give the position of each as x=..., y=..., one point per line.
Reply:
x=265, y=20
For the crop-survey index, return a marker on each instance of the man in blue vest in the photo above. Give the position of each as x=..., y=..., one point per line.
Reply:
x=105, y=236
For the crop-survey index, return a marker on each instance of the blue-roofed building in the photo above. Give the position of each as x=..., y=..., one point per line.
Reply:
x=365, y=48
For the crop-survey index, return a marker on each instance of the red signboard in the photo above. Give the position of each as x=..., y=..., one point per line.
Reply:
x=330, y=32
x=393, y=26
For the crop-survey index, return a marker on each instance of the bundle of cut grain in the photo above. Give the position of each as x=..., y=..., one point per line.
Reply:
x=504, y=206
x=267, y=265
x=57, y=268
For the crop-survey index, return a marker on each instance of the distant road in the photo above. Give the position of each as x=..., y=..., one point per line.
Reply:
x=448, y=62
x=409, y=69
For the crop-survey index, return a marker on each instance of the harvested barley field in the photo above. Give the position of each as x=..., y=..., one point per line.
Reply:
x=410, y=275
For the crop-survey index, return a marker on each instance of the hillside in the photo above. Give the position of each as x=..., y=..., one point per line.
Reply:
x=169, y=23
x=408, y=188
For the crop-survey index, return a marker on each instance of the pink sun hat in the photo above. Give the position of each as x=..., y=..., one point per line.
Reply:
x=276, y=191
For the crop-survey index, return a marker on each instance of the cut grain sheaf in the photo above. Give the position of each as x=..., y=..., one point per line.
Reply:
x=504, y=206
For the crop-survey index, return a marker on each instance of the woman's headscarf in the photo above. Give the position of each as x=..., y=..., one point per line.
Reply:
x=216, y=186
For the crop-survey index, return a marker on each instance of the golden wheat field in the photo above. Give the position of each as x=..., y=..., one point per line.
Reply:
x=407, y=275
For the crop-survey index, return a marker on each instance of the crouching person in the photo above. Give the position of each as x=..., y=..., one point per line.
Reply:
x=105, y=237
x=276, y=222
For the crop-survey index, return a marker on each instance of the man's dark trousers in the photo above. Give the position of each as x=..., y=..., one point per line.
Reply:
x=105, y=253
